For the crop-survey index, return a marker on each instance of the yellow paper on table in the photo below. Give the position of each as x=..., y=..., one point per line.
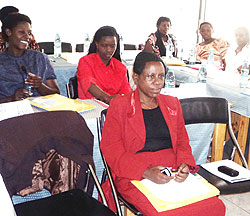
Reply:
x=58, y=102
x=173, y=61
x=173, y=194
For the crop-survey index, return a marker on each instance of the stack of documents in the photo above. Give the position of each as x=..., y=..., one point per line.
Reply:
x=58, y=102
x=173, y=61
x=13, y=109
x=173, y=194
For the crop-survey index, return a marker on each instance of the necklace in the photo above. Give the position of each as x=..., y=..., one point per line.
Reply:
x=148, y=106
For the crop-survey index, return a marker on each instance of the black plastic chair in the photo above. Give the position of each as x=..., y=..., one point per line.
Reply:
x=72, y=88
x=107, y=174
x=66, y=47
x=79, y=47
x=47, y=47
x=67, y=133
x=130, y=47
x=215, y=110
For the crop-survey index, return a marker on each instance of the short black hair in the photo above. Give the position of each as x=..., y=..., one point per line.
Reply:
x=206, y=23
x=103, y=32
x=5, y=11
x=142, y=58
x=11, y=21
x=163, y=19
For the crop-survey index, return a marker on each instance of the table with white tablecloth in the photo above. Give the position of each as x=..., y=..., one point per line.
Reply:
x=64, y=71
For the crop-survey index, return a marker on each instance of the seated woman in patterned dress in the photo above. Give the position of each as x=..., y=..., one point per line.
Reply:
x=160, y=40
x=218, y=45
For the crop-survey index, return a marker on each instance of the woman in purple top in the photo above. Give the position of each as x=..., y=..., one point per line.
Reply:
x=23, y=72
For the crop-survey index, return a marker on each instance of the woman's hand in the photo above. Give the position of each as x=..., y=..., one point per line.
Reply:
x=20, y=94
x=34, y=81
x=154, y=174
x=182, y=174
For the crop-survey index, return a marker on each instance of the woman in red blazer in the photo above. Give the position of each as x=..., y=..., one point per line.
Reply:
x=144, y=132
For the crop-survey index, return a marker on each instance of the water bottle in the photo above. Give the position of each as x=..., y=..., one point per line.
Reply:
x=86, y=43
x=244, y=75
x=26, y=76
x=180, y=51
x=121, y=46
x=169, y=50
x=170, y=79
x=210, y=58
x=202, y=75
x=192, y=55
x=57, y=46
x=180, y=54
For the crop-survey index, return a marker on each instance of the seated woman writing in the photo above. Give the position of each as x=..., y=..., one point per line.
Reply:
x=144, y=132
x=218, y=45
x=24, y=72
x=101, y=74
x=160, y=40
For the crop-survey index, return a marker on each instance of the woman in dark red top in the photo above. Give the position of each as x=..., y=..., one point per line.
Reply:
x=101, y=74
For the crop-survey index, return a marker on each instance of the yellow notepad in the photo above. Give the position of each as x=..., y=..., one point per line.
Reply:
x=173, y=194
x=58, y=102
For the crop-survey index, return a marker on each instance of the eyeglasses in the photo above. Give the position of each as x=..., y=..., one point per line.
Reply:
x=152, y=77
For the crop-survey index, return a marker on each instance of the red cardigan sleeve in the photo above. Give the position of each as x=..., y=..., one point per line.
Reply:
x=122, y=163
x=85, y=76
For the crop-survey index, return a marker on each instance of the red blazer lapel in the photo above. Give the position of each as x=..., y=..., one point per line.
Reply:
x=135, y=117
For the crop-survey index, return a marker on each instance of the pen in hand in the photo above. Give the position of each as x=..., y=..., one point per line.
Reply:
x=182, y=172
x=28, y=87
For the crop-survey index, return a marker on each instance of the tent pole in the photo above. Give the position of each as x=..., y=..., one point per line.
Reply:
x=202, y=16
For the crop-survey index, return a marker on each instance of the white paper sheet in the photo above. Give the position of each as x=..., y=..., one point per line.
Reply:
x=13, y=109
x=244, y=174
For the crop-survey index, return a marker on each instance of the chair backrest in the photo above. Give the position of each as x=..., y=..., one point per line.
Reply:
x=130, y=47
x=212, y=110
x=66, y=47
x=72, y=88
x=79, y=47
x=47, y=47
x=204, y=110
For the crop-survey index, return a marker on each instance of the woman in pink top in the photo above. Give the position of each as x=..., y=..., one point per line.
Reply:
x=218, y=45
x=101, y=74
